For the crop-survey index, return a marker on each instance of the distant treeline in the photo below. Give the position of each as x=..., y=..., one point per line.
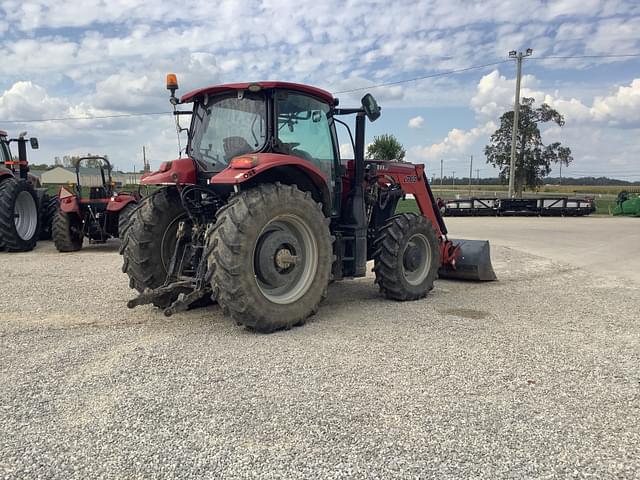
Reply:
x=547, y=181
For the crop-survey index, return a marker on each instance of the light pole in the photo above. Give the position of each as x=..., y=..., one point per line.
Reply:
x=516, y=113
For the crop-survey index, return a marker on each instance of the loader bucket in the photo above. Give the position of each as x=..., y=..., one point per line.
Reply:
x=473, y=263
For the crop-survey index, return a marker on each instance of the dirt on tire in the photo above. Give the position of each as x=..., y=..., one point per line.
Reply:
x=67, y=232
x=148, y=239
x=389, y=257
x=232, y=261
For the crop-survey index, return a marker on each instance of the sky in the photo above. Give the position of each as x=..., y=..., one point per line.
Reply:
x=102, y=58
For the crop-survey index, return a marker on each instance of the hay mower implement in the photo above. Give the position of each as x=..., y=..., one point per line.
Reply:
x=262, y=214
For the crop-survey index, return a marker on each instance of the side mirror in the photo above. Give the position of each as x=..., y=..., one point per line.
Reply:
x=371, y=107
x=34, y=143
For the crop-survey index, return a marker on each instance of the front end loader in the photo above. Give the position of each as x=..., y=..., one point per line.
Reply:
x=262, y=213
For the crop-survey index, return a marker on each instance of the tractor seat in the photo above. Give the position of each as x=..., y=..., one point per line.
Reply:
x=234, y=146
x=96, y=193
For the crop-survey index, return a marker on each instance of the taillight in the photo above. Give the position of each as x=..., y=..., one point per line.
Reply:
x=244, y=162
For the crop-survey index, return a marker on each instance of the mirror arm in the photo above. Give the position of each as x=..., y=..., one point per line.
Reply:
x=346, y=111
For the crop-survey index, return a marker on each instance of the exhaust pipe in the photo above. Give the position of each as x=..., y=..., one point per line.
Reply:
x=473, y=263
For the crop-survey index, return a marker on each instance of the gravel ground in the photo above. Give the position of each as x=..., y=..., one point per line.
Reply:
x=534, y=376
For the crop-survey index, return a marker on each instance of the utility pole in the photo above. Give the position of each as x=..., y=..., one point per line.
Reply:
x=478, y=176
x=560, y=173
x=441, y=171
x=470, y=173
x=453, y=179
x=516, y=113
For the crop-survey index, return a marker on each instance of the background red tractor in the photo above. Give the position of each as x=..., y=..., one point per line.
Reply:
x=26, y=210
x=263, y=214
x=98, y=214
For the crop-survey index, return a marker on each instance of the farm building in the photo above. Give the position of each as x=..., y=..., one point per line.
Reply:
x=89, y=177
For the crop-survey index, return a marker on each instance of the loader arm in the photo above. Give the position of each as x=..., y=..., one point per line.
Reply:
x=460, y=259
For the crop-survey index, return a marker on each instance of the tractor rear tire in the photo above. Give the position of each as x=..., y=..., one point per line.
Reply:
x=148, y=240
x=123, y=218
x=19, y=220
x=406, y=257
x=67, y=232
x=48, y=211
x=271, y=257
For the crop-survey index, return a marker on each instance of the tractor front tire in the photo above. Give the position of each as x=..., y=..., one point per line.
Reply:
x=19, y=220
x=406, y=257
x=148, y=239
x=271, y=257
x=67, y=232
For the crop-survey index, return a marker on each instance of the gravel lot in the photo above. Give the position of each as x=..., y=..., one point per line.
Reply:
x=534, y=376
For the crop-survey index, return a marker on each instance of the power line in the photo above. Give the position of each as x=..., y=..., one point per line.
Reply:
x=621, y=55
x=379, y=85
x=87, y=117
x=415, y=79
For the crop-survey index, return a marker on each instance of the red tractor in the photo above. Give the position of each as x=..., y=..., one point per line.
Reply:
x=99, y=217
x=26, y=209
x=262, y=214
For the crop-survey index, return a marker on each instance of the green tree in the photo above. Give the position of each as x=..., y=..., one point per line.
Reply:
x=533, y=158
x=386, y=147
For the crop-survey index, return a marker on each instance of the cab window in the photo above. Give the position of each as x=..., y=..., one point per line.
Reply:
x=303, y=130
x=4, y=152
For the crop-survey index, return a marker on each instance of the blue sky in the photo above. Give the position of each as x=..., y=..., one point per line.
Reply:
x=95, y=58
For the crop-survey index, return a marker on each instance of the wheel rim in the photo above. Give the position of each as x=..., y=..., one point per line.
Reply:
x=25, y=214
x=285, y=259
x=416, y=259
x=168, y=243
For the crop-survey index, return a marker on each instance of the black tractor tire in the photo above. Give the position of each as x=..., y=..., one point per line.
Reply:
x=148, y=240
x=19, y=220
x=48, y=210
x=406, y=257
x=123, y=218
x=275, y=219
x=67, y=232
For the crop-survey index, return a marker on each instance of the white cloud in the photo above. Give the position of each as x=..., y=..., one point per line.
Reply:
x=416, y=122
x=98, y=56
x=346, y=150
x=621, y=108
x=456, y=142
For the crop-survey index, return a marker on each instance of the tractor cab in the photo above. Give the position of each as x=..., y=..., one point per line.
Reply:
x=281, y=118
x=98, y=195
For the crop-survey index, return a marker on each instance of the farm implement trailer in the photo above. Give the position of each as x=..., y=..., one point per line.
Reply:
x=262, y=214
x=539, y=206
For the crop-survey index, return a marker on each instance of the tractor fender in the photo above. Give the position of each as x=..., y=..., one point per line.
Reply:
x=5, y=173
x=118, y=202
x=180, y=171
x=275, y=167
x=70, y=204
